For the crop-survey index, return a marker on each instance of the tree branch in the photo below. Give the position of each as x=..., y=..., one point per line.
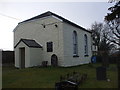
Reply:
x=118, y=31
x=118, y=36
x=114, y=41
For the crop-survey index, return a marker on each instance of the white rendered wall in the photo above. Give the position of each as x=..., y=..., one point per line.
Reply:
x=17, y=55
x=35, y=30
x=36, y=56
x=69, y=60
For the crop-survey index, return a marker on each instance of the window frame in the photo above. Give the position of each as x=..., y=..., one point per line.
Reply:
x=86, y=45
x=75, y=44
x=49, y=46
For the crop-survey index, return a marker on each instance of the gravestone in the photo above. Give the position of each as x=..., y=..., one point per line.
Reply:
x=101, y=73
x=66, y=85
x=44, y=63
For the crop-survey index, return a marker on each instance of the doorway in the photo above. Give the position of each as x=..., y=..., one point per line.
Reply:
x=54, y=60
x=22, y=57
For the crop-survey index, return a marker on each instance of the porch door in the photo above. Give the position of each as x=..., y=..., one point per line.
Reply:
x=22, y=57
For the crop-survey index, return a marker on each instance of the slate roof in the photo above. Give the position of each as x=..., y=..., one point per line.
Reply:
x=29, y=43
x=63, y=19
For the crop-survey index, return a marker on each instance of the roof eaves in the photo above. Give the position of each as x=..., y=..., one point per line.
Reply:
x=35, y=45
x=23, y=40
x=17, y=43
x=69, y=22
x=56, y=16
x=38, y=16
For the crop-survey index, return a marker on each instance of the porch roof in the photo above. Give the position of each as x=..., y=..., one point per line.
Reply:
x=29, y=43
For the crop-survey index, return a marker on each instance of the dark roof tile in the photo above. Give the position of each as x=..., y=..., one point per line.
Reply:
x=29, y=43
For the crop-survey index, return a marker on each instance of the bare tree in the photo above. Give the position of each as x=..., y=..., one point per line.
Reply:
x=96, y=29
x=113, y=21
x=99, y=34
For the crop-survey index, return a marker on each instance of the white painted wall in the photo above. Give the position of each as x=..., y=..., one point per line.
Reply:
x=61, y=37
x=34, y=30
x=69, y=60
x=17, y=55
x=33, y=56
x=36, y=56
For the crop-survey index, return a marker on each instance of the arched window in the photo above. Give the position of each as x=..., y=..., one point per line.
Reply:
x=75, y=43
x=86, y=44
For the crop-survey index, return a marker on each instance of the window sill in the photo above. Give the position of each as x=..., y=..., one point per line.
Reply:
x=86, y=55
x=75, y=56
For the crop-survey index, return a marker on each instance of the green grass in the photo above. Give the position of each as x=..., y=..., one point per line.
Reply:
x=46, y=77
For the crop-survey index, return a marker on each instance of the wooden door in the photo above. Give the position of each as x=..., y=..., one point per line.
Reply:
x=54, y=60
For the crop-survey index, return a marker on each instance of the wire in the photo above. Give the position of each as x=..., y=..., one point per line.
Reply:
x=9, y=16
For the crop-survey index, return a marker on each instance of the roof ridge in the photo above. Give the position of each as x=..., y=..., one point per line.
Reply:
x=28, y=39
x=49, y=13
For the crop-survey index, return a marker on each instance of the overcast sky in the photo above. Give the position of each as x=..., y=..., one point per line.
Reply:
x=81, y=13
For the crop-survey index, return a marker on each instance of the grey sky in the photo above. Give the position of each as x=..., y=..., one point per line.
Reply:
x=81, y=13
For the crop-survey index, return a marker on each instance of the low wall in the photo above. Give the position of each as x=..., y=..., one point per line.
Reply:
x=7, y=57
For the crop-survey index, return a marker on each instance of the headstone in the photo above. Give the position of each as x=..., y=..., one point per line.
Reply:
x=101, y=73
x=44, y=63
x=66, y=85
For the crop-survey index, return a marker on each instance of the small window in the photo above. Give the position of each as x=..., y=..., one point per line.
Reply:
x=49, y=46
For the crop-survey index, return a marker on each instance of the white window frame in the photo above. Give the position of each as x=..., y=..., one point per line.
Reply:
x=86, y=44
x=75, y=43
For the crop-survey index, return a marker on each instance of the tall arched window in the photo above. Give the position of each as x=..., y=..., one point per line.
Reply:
x=75, y=43
x=86, y=44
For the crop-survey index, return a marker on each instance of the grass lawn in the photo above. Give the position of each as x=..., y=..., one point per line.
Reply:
x=46, y=77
